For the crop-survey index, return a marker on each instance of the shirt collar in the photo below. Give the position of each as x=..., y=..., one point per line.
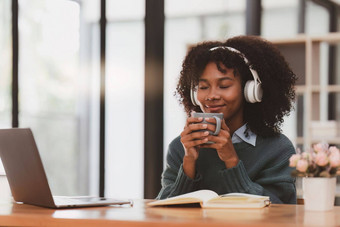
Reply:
x=239, y=136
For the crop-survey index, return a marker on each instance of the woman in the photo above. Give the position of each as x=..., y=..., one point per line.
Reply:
x=247, y=79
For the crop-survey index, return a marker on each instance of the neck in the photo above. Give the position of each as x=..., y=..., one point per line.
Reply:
x=234, y=125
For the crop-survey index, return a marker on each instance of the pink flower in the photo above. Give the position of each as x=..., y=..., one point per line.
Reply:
x=319, y=147
x=321, y=158
x=334, y=149
x=334, y=161
x=294, y=159
x=302, y=165
x=306, y=155
x=334, y=157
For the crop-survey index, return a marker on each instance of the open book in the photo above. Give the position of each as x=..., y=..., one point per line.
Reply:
x=210, y=199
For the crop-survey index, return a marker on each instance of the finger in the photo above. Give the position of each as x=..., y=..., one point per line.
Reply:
x=191, y=130
x=214, y=144
x=194, y=143
x=213, y=139
x=217, y=141
x=195, y=136
x=191, y=120
x=221, y=138
x=212, y=126
x=195, y=127
x=210, y=120
x=186, y=131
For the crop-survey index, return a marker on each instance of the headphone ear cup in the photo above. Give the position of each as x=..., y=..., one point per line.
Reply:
x=253, y=92
x=258, y=92
x=193, y=96
x=249, y=90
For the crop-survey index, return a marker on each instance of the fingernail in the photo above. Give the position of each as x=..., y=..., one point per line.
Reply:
x=206, y=133
x=200, y=118
x=204, y=126
x=207, y=118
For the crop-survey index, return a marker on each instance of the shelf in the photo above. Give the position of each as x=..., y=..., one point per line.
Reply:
x=300, y=89
x=329, y=88
x=305, y=55
x=332, y=38
x=335, y=140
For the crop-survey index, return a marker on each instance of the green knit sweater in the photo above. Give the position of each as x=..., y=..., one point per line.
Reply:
x=262, y=170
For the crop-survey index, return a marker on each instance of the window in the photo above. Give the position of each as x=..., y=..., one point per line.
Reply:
x=124, y=167
x=5, y=63
x=5, y=66
x=279, y=18
x=50, y=86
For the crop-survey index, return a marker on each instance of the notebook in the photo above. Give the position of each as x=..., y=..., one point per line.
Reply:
x=27, y=178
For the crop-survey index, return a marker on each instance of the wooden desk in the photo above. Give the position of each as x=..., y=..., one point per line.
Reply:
x=139, y=215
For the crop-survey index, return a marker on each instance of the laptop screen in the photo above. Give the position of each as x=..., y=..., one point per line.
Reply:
x=24, y=169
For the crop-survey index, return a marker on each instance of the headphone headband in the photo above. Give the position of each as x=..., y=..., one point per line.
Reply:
x=232, y=49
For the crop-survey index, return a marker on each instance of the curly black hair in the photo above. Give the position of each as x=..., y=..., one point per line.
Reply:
x=264, y=118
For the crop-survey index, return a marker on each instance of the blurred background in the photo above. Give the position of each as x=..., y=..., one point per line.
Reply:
x=95, y=79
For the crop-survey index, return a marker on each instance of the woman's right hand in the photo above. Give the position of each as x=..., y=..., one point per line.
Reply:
x=191, y=138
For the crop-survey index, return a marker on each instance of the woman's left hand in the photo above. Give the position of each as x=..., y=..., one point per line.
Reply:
x=223, y=144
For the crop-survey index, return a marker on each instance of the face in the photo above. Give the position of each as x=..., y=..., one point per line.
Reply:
x=221, y=93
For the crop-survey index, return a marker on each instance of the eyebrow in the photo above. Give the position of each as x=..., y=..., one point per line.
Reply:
x=220, y=79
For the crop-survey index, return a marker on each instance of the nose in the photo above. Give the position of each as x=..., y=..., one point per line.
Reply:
x=213, y=95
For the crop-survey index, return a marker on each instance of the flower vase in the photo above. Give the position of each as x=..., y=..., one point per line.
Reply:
x=319, y=193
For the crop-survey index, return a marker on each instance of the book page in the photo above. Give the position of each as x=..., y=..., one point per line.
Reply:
x=203, y=195
x=239, y=200
x=192, y=197
x=245, y=195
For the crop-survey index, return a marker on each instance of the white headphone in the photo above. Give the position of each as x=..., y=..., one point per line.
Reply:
x=252, y=90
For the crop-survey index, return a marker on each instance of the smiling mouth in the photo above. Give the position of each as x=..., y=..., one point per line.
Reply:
x=214, y=108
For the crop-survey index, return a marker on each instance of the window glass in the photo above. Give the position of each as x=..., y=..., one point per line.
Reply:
x=279, y=18
x=5, y=77
x=49, y=85
x=125, y=10
x=5, y=64
x=89, y=94
x=317, y=19
x=90, y=11
x=189, y=8
x=124, y=167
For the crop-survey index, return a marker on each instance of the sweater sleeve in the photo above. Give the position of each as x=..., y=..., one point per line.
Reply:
x=174, y=180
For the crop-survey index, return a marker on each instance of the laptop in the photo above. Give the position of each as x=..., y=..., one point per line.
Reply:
x=27, y=178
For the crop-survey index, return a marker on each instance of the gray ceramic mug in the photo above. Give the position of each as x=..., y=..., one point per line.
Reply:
x=217, y=116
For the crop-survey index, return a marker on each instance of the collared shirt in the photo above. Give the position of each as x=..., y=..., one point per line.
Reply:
x=239, y=136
